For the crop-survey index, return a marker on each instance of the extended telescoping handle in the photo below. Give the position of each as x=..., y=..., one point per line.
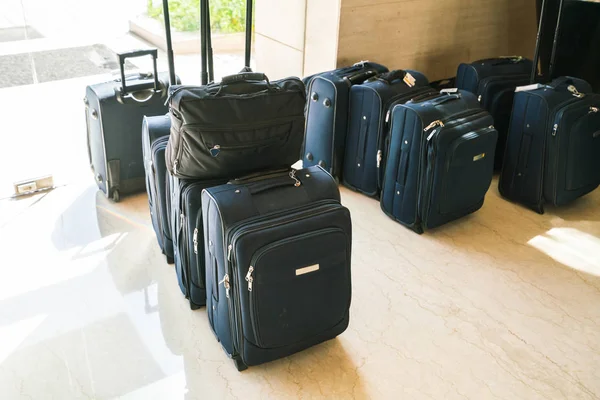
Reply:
x=536, y=57
x=170, y=56
x=133, y=54
x=248, y=32
x=555, y=42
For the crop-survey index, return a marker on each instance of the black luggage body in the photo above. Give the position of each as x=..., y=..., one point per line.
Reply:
x=370, y=103
x=241, y=125
x=188, y=236
x=155, y=135
x=277, y=264
x=494, y=81
x=327, y=114
x=440, y=160
x=114, y=114
x=553, y=150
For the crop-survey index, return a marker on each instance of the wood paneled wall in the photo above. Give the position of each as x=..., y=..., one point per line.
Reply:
x=434, y=36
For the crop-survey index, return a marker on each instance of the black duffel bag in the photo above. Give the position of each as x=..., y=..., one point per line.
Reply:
x=241, y=125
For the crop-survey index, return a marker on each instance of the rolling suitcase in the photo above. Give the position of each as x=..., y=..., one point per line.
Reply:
x=278, y=253
x=241, y=125
x=370, y=103
x=155, y=143
x=440, y=161
x=188, y=235
x=155, y=135
x=494, y=81
x=114, y=113
x=553, y=148
x=327, y=114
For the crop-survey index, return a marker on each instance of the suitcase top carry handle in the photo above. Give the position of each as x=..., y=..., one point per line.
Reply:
x=245, y=77
x=288, y=180
x=445, y=99
x=390, y=77
x=359, y=77
x=138, y=53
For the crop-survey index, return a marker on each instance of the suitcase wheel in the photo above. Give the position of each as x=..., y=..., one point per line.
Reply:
x=239, y=364
x=116, y=196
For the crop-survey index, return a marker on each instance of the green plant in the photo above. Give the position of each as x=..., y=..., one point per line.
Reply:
x=226, y=16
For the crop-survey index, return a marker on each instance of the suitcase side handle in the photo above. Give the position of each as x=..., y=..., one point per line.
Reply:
x=134, y=54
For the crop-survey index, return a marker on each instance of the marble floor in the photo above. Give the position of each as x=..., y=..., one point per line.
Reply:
x=504, y=304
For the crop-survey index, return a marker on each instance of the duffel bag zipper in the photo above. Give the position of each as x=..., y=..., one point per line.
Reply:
x=254, y=261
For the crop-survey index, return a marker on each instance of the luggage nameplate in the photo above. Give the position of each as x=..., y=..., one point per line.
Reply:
x=409, y=80
x=307, y=270
x=450, y=91
x=528, y=88
x=479, y=157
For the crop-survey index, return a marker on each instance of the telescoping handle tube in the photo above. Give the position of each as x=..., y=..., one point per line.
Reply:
x=170, y=56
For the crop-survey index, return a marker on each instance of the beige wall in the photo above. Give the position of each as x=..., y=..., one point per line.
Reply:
x=302, y=37
x=434, y=36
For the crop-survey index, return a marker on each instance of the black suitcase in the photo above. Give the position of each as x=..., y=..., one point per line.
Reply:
x=277, y=264
x=114, y=113
x=494, y=81
x=370, y=103
x=327, y=114
x=188, y=236
x=155, y=135
x=241, y=125
x=440, y=160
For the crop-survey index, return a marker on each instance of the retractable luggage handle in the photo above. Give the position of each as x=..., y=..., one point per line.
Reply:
x=133, y=54
x=536, y=57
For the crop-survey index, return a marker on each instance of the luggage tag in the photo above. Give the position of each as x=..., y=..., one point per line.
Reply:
x=449, y=91
x=409, y=80
x=527, y=88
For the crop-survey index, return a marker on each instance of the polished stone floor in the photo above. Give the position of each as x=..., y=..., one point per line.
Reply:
x=504, y=304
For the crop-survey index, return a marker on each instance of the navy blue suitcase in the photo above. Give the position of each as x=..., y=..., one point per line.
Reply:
x=370, y=103
x=553, y=149
x=188, y=236
x=440, y=160
x=494, y=81
x=327, y=114
x=155, y=135
x=278, y=253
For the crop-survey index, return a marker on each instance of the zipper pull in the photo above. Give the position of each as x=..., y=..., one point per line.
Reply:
x=433, y=125
x=594, y=110
x=249, y=278
x=554, y=130
x=225, y=282
x=196, y=241
x=229, y=249
x=379, y=157
x=575, y=92
x=387, y=117
x=293, y=176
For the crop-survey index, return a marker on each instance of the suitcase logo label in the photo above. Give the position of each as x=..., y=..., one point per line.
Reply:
x=215, y=150
x=478, y=157
x=307, y=270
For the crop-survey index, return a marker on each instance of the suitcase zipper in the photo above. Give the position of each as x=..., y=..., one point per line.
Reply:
x=254, y=261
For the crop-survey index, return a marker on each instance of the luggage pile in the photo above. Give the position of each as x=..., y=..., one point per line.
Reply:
x=267, y=248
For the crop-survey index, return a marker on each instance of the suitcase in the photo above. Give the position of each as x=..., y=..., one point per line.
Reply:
x=553, y=148
x=278, y=253
x=367, y=125
x=327, y=114
x=154, y=144
x=114, y=113
x=440, y=160
x=494, y=81
x=188, y=235
x=242, y=125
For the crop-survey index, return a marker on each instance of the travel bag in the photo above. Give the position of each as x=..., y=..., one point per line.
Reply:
x=494, y=81
x=114, y=113
x=155, y=135
x=370, y=103
x=327, y=114
x=440, y=160
x=278, y=251
x=553, y=148
x=241, y=125
x=188, y=236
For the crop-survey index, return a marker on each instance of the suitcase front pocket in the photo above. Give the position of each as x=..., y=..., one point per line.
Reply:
x=583, y=163
x=468, y=170
x=299, y=287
